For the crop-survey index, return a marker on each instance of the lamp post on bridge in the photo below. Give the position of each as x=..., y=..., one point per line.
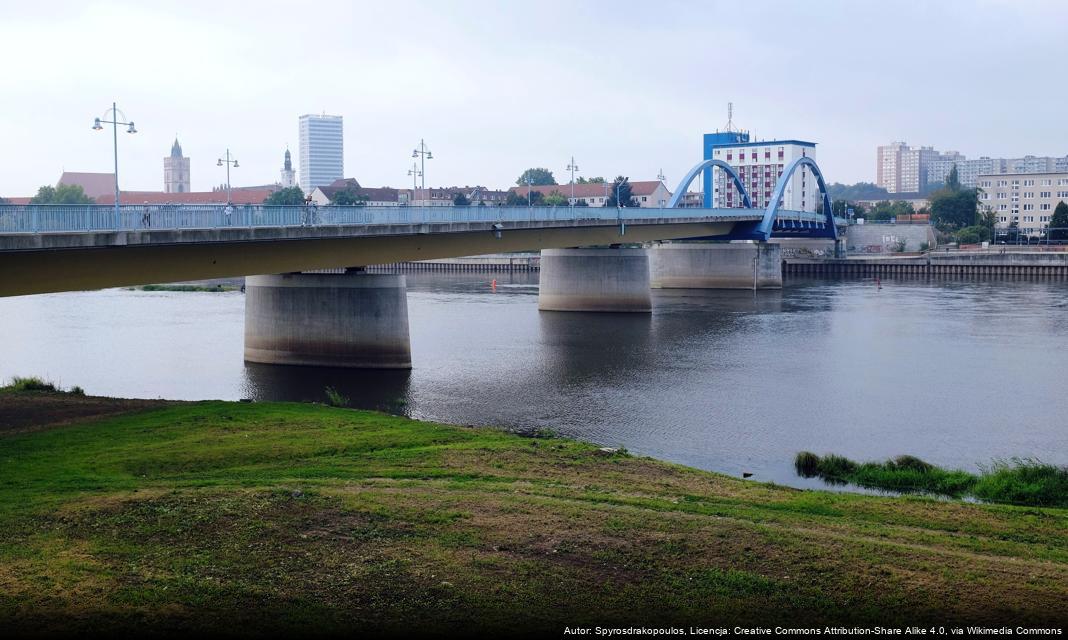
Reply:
x=415, y=173
x=528, y=191
x=228, y=161
x=660, y=177
x=423, y=154
x=115, y=122
x=572, y=168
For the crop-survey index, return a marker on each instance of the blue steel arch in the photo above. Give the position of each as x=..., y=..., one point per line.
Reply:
x=701, y=166
x=780, y=188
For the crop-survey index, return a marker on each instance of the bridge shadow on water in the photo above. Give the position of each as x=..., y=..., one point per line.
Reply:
x=387, y=390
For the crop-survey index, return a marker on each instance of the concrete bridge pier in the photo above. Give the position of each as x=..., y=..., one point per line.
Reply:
x=716, y=265
x=352, y=319
x=595, y=279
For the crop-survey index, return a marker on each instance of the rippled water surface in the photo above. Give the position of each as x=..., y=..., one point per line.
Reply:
x=956, y=372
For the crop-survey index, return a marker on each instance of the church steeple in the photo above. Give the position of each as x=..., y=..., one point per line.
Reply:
x=289, y=177
x=176, y=149
x=289, y=161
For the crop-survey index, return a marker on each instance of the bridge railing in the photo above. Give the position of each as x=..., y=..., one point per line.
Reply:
x=94, y=218
x=31, y=219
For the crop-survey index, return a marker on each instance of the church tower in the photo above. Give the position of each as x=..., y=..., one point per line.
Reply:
x=289, y=179
x=176, y=171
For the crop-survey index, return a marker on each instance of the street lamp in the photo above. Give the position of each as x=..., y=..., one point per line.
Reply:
x=228, y=161
x=423, y=154
x=660, y=177
x=415, y=173
x=572, y=168
x=528, y=190
x=115, y=122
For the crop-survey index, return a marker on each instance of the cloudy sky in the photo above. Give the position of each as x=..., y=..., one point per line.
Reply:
x=626, y=87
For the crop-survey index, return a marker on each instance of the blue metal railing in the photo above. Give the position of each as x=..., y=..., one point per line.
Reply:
x=32, y=219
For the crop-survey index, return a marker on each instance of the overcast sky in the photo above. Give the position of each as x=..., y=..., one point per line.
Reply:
x=495, y=87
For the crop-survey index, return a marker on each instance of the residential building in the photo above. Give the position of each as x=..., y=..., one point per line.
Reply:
x=1027, y=199
x=904, y=169
x=93, y=184
x=380, y=197
x=446, y=196
x=175, y=171
x=648, y=193
x=759, y=165
x=288, y=177
x=321, y=151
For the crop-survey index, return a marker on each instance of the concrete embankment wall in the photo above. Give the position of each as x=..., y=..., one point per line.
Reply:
x=1053, y=264
x=884, y=238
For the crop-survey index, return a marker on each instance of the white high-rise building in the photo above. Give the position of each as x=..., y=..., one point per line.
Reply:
x=759, y=166
x=322, y=151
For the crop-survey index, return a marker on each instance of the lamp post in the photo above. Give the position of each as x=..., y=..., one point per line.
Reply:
x=228, y=161
x=660, y=177
x=415, y=173
x=572, y=168
x=115, y=122
x=423, y=154
x=528, y=190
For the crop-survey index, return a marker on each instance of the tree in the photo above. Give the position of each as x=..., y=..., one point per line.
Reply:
x=62, y=194
x=858, y=191
x=349, y=196
x=595, y=180
x=621, y=185
x=516, y=199
x=841, y=208
x=287, y=196
x=952, y=210
x=1058, y=224
x=555, y=199
x=460, y=200
x=953, y=180
x=538, y=176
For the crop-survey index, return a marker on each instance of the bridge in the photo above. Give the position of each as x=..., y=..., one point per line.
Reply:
x=47, y=248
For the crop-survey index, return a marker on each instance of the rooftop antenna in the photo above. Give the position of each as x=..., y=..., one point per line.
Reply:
x=730, y=117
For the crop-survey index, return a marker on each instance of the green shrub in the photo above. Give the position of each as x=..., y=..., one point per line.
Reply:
x=1022, y=482
x=30, y=383
x=1026, y=482
x=335, y=399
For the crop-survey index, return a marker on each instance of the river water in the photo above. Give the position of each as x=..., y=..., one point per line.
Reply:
x=956, y=372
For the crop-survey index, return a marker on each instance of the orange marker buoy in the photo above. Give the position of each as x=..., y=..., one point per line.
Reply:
x=493, y=285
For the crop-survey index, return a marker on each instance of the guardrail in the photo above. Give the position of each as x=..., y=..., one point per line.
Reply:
x=94, y=218
x=31, y=219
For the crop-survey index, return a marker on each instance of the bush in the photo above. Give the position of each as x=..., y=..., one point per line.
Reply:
x=335, y=399
x=31, y=383
x=1027, y=482
x=1022, y=482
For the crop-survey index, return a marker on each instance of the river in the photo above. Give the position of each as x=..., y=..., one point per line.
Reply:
x=956, y=372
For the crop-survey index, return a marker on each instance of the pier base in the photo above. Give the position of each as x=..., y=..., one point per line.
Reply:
x=597, y=279
x=707, y=265
x=356, y=320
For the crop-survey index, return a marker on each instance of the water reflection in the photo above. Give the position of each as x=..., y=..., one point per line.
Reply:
x=386, y=390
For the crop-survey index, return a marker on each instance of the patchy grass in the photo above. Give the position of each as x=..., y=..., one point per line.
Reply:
x=1019, y=482
x=281, y=518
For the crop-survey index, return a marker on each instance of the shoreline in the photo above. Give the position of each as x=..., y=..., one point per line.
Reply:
x=265, y=518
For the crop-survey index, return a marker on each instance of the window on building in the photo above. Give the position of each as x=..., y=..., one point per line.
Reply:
x=1045, y=206
x=1045, y=194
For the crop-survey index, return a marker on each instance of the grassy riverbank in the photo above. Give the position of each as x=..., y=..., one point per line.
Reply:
x=277, y=518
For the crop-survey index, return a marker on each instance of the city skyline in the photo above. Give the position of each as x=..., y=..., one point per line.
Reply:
x=538, y=102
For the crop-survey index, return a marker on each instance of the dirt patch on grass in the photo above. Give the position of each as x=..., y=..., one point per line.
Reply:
x=37, y=411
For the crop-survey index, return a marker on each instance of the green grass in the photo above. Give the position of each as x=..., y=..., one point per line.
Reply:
x=1018, y=482
x=255, y=518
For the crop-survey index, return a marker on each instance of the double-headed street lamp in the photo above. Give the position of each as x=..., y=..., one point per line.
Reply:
x=115, y=122
x=228, y=161
x=572, y=168
x=415, y=173
x=423, y=154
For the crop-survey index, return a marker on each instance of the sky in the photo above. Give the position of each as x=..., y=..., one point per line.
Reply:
x=624, y=87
